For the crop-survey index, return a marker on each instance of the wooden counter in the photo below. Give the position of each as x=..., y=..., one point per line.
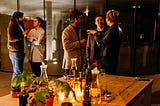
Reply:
x=125, y=91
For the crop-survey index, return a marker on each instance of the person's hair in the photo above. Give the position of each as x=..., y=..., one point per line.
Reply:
x=99, y=15
x=17, y=14
x=112, y=15
x=75, y=14
x=42, y=22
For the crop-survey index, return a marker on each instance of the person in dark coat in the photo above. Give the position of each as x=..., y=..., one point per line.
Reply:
x=16, y=44
x=110, y=43
x=92, y=49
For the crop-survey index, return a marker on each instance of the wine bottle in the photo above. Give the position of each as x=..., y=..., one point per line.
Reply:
x=23, y=95
x=88, y=75
x=80, y=79
x=86, y=96
x=84, y=70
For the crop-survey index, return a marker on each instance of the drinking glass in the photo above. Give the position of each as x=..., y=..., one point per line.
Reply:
x=95, y=90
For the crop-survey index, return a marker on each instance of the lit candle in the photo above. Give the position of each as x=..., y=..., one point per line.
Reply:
x=61, y=95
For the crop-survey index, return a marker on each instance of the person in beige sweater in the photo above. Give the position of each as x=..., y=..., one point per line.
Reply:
x=36, y=37
x=71, y=41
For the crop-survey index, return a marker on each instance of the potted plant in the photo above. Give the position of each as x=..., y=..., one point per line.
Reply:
x=41, y=90
x=23, y=77
x=37, y=87
x=42, y=95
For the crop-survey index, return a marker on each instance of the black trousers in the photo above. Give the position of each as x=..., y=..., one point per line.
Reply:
x=36, y=68
x=109, y=64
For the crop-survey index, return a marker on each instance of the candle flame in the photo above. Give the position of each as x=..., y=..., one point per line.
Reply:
x=61, y=95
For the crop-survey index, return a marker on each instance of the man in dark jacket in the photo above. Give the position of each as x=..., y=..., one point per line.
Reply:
x=110, y=43
x=92, y=49
x=16, y=44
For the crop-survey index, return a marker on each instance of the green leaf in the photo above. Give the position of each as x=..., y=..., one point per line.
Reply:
x=16, y=81
x=23, y=77
x=41, y=95
x=65, y=87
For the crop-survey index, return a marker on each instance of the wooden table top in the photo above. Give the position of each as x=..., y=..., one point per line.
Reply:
x=124, y=89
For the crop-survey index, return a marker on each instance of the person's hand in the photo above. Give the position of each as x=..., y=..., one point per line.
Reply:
x=35, y=38
x=83, y=42
x=91, y=31
x=25, y=33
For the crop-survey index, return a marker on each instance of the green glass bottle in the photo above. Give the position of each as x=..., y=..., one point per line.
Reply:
x=86, y=94
x=88, y=75
x=84, y=70
x=23, y=95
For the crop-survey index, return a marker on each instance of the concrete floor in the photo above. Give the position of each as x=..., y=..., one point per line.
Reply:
x=5, y=78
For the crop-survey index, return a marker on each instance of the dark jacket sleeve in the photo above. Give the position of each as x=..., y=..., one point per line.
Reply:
x=110, y=43
x=14, y=32
x=15, y=38
x=88, y=48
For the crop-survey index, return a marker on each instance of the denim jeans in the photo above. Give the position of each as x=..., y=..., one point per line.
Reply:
x=17, y=60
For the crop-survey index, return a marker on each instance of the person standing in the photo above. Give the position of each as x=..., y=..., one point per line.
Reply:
x=36, y=37
x=110, y=43
x=92, y=49
x=16, y=45
x=71, y=41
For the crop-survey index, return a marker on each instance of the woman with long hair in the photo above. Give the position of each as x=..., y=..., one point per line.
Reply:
x=36, y=37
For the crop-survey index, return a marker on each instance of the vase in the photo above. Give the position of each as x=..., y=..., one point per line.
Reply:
x=39, y=104
x=49, y=102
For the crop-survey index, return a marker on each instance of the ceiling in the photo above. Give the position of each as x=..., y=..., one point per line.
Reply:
x=36, y=7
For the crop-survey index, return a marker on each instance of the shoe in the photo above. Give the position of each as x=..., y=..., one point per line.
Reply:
x=14, y=94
